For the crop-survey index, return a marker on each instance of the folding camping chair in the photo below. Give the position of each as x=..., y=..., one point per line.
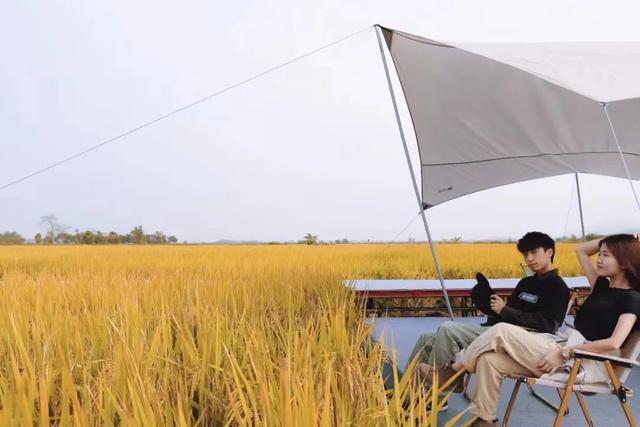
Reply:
x=618, y=375
x=533, y=392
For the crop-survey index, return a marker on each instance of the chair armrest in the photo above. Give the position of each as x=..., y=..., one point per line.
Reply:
x=627, y=363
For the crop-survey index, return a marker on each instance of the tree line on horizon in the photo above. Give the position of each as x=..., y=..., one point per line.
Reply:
x=136, y=236
x=58, y=234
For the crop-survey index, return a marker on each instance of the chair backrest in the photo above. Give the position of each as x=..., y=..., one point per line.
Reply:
x=630, y=350
x=570, y=304
x=568, y=312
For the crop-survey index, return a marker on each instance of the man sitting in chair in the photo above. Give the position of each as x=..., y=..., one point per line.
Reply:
x=538, y=302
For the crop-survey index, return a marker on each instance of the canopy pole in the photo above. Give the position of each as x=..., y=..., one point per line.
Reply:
x=580, y=206
x=624, y=162
x=436, y=260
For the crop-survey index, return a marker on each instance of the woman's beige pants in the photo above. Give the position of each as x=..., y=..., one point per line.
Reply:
x=503, y=349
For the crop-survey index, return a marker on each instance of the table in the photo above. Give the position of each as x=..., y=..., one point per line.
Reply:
x=430, y=288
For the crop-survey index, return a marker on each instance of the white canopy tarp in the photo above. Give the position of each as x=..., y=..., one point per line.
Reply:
x=487, y=115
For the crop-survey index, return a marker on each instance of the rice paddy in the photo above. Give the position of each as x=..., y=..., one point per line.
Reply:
x=208, y=335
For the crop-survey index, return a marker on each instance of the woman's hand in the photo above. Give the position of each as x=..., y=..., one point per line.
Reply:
x=552, y=361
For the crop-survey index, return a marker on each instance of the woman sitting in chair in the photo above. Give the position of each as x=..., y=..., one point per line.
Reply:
x=603, y=323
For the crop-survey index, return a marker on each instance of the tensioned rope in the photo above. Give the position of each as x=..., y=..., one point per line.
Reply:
x=406, y=226
x=624, y=162
x=566, y=221
x=184, y=107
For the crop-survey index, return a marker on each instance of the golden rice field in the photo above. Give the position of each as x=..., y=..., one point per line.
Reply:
x=207, y=335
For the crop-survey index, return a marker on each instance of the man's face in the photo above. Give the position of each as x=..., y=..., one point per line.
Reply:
x=538, y=259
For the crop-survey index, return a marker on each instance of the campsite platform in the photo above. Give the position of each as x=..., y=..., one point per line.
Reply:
x=401, y=333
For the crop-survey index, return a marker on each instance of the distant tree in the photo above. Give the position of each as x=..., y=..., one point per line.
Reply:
x=156, y=238
x=87, y=238
x=114, y=238
x=592, y=236
x=100, y=238
x=48, y=238
x=310, y=239
x=337, y=241
x=137, y=236
x=11, y=238
x=54, y=226
x=66, y=238
x=38, y=238
x=345, y=241
x=172, y=239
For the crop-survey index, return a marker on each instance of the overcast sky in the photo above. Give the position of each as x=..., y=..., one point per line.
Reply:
x=312, y=147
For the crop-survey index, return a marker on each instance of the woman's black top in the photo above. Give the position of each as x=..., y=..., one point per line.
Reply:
x=598, y=316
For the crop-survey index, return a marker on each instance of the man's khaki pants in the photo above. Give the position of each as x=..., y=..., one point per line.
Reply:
x=503, y=349
x=442, y=345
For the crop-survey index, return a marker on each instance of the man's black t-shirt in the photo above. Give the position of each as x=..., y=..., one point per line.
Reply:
x=598, y=316
x=538, y=302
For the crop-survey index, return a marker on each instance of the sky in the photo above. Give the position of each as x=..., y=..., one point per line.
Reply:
x=310, y=148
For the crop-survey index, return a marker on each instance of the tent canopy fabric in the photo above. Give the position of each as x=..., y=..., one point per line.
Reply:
x=487, y=115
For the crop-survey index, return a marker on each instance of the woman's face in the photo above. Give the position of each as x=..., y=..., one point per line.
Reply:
x=607, y=264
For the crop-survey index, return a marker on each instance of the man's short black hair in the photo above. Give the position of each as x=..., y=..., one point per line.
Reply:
x=534, y=240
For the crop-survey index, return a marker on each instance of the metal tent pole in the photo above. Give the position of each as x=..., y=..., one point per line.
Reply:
x=580, y=206
x=624, y=162
x=413, y=176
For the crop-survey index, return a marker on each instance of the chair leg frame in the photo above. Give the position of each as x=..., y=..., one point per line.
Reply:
x=619, y=390
x=568, y=391
x=544, y=400
x=529, y=383
x=584, y=408
x=512, y=400
x=621, y=393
